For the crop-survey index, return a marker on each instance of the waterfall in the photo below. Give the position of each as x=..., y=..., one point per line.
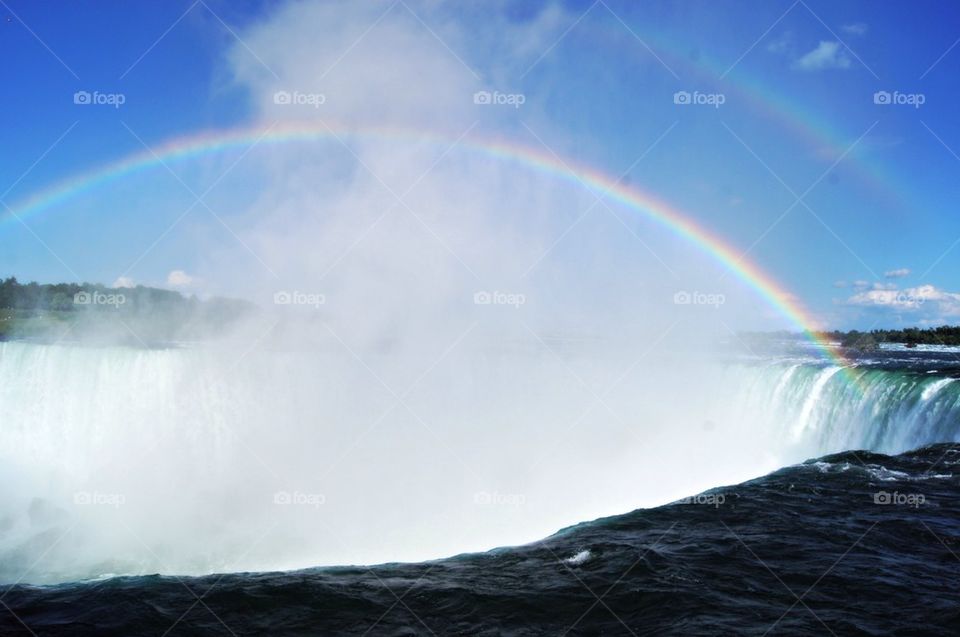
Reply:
x=825, y=411
x=190, y=461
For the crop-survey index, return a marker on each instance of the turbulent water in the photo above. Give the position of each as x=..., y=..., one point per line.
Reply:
x=118, y=463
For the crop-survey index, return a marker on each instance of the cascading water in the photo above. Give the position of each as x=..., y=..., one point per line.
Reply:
x=826, y=409
x=812, y=399
x=130, y=461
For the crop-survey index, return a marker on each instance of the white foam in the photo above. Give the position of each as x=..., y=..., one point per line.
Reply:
x=579, y=558
x=812, y=398
x=931, y=390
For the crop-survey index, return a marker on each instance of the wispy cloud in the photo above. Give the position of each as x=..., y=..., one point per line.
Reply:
x=899, y=273
x=856, y=28
x=827, y=55
x=782, y=44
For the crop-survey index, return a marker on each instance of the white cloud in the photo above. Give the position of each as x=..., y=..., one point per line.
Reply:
x=930, y=299
x=179, y=279
x=827, y=55
x=856, y=28
x=123, y=282
x=890, y=298
x=899, y=273
x=782, y=44
x=861, y=285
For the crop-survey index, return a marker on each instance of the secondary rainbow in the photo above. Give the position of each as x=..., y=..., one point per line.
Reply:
x=632, y=198
x=708, y=73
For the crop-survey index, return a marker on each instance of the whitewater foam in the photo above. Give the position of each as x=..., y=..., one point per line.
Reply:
x=931, y=390
x=579, y=558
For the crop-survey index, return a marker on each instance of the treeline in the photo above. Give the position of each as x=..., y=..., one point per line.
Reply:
x=95, y=313
x=67, y=297
x=911, y=336
x=70, y=297
x=868, y=340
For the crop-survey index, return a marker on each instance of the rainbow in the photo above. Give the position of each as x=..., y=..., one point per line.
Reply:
x=631, y=198
x=707, y=72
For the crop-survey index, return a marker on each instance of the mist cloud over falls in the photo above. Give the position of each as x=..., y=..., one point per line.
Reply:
x=458, y=350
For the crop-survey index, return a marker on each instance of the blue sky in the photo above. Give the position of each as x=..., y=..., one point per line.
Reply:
x=871, y=243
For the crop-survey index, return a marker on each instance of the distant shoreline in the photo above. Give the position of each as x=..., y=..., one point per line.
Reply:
x=944, y=335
